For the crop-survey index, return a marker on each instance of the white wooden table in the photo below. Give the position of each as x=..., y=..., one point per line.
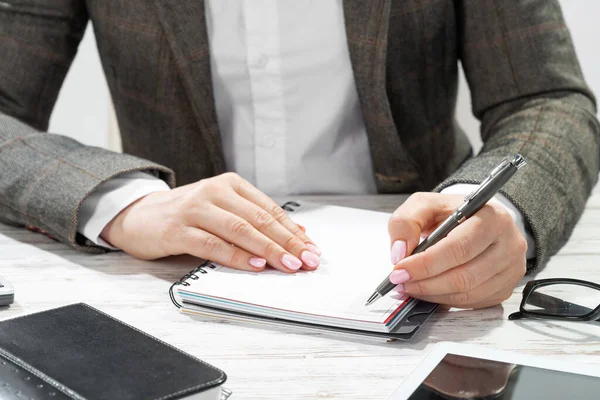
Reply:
x=271, y=363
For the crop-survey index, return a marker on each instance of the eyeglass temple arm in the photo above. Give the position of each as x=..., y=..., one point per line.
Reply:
x=542, y=300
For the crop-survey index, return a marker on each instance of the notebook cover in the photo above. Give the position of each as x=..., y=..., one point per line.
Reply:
x=78, y=352
x=405, y=330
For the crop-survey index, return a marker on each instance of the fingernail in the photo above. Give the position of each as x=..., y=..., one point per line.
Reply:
x=399, y=276
x=398, y=251
x=291, y=262
x=313, y=249
x=257, y=262
x=400, y=288
x=310, y=259
x=302, y=228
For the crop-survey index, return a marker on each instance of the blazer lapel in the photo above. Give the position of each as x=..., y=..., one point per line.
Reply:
x=367, y=31
x=184, y=23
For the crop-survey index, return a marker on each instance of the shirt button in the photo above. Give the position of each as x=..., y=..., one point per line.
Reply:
x=269, y=142
x=262, y=61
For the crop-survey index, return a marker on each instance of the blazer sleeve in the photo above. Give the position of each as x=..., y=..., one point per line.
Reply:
x=44, y=177
x=529, y=93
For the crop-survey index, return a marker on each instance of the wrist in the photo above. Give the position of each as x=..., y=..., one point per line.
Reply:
x=113, y=232
x=110, y=198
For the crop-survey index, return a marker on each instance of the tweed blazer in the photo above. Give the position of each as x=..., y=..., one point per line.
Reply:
x=525, y=80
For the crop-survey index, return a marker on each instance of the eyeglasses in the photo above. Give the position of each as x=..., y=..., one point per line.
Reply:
x=561, y=299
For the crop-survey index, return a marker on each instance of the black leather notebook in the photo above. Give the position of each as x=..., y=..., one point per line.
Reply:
x=78, y=352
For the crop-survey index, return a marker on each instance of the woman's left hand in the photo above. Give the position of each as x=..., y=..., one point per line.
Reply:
x=477, y=265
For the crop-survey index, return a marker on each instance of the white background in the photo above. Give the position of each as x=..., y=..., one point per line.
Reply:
x=83, y=108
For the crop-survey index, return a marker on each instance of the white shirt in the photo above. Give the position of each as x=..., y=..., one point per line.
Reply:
x=287, y=108
x=285, y=96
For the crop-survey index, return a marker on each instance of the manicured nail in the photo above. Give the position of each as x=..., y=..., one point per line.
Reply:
x=399, y=276
x=400, y=289
x=257, y=262
x=291, y=262
x=398, y=251
x=310, y=259
x=313, y=249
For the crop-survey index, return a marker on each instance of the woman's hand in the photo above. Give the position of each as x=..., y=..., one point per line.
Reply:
x=223, y=219
x=477, y=265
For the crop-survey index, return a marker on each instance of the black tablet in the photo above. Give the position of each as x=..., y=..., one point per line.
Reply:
x=459, y=372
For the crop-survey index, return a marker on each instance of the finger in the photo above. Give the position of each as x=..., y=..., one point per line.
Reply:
x=490, y=293
x=417, y=214
x=463, y=278
x=506, y=287
x=204, y=245
x=242, y=234
x=254, y=195
x=461, y=245
x=272, y=229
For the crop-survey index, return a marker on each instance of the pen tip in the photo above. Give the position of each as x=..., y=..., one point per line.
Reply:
x=373, y=298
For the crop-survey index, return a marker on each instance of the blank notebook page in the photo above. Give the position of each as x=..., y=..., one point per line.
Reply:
x=355, y=258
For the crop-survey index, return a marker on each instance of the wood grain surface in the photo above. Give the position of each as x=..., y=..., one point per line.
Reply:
x=273, y=363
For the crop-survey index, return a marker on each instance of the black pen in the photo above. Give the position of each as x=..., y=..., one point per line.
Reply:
x=473, y=203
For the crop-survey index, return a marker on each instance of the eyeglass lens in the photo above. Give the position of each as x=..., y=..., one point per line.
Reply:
x=563, y=300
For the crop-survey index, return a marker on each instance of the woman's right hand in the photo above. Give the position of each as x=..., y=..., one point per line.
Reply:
x=223, y=219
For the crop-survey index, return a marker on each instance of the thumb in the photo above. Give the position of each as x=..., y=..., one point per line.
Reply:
x=418, y=216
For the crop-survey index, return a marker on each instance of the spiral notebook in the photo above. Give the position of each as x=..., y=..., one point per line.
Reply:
x=355, y=257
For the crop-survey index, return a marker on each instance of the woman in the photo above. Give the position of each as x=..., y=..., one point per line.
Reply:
x=303, y=97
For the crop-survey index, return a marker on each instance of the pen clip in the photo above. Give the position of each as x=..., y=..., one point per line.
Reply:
x=517, y=161
x=487, y=180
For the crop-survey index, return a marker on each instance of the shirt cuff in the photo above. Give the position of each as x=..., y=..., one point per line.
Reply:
x=112, y=197
x=463, y=188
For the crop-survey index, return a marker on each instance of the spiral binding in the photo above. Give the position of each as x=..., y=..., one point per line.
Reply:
x=190, y=275
x=288, y=206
